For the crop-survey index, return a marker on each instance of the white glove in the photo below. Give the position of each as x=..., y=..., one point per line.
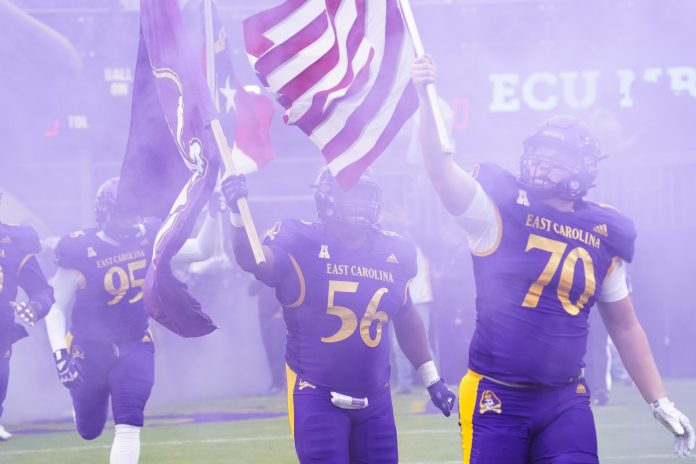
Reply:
x=677, y=423
x=26, y=311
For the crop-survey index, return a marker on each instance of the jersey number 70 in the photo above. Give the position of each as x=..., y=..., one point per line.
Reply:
x=557, y=249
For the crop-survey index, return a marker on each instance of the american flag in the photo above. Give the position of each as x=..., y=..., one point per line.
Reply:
x=341, y=70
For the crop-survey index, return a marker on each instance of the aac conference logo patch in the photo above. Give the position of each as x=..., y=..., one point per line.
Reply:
x=490, y=403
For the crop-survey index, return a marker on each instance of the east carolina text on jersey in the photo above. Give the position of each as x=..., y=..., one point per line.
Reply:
x=536, y=286
x=338, y=303
x=109, y=304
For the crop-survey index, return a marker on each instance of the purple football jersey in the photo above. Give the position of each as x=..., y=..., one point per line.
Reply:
x=109, y=304
x=536, y=286
x=338, y=302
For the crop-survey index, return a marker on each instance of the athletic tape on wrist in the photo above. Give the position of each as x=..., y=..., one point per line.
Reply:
x=236, y=220
x=428, y=373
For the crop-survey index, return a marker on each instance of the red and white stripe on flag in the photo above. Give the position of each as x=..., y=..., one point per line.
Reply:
x=341, y=70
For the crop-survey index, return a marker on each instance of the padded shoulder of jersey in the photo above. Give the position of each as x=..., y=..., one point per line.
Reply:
x=288, y=231
x=615, y=228
x=500, y=184
x=403, y=249
x=72, y=247
x=23, y=237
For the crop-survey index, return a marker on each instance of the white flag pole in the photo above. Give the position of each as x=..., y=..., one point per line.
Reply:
x=210, y=51
x=433, y=101
x=221, y=139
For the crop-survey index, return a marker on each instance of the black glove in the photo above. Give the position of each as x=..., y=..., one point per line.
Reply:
x=234, y=188
x=442, y=397
x=28, y=312
x=69, y=369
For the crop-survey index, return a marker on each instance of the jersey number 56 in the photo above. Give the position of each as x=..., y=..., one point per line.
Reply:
x=349, y=321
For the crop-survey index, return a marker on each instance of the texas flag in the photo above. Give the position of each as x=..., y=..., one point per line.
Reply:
x=243, y=111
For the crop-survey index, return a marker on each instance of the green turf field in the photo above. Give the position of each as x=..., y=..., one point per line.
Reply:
x=215, y=432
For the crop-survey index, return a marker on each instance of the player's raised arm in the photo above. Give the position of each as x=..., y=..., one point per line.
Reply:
x=233, y=188
x=454, y=185
x=410, y=333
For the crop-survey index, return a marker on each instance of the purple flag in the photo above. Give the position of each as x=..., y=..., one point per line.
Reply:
x=169, y=133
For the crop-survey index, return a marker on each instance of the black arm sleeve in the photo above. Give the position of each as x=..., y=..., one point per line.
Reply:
x=32, y=280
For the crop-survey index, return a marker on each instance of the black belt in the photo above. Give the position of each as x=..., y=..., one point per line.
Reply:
x=577, y=378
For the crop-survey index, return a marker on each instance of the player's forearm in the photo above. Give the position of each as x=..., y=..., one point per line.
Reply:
x=412, y=339
x=33, y=282
x=56, y=328
x=208, y=237
x=454, y=186
x=241, y=248
x=201, y=247
x=632, y=344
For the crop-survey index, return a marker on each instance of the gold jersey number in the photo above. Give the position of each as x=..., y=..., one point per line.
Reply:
x=557, y=249
x=349, y=321
x=117, y=281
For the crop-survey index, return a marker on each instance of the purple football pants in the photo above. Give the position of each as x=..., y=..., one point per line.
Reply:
x=5, y=354
x=325, y=433
x=504, y=424
x=126, y=373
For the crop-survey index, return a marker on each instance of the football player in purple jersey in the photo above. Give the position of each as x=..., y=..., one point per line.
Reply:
x=341, y=281
x=18, y=268
x=542, y=257
x=109, y=351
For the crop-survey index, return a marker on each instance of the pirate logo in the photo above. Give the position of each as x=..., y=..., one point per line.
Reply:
x=77, y=352
x=490, y=402
x=304, y=384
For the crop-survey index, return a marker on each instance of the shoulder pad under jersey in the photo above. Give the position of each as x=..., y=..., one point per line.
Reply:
x=73, y=247
x=616, y=229
x=500, y=184
x=22, y=237
x=401, y=248
x=286, y=232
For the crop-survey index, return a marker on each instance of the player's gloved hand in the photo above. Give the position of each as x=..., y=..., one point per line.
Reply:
x=677, y=423
x=27, y=311
x=234, y=188
x=69, y=369
x=442, y=397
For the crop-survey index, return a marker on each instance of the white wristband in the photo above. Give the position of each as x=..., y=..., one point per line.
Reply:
x=236, y=220
x=660, y=403
x=428, y=373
